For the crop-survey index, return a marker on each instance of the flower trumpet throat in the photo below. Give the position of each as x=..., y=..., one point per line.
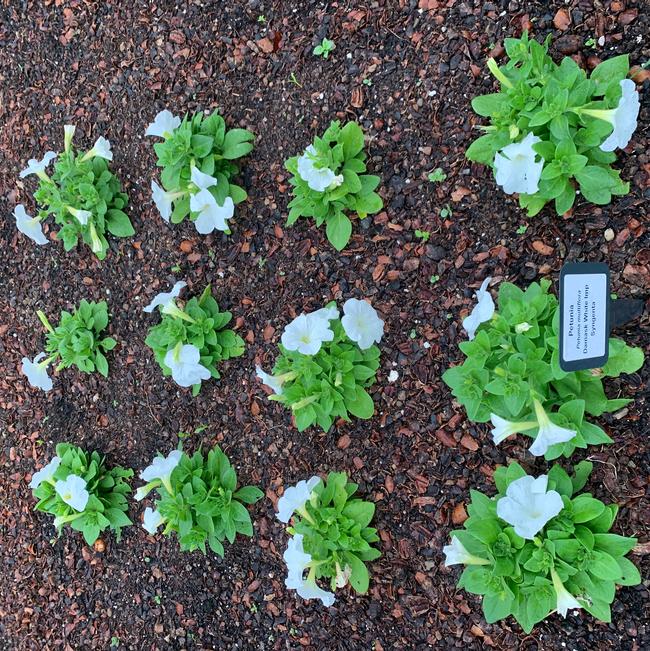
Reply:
x=96, y=243
x=174, y=311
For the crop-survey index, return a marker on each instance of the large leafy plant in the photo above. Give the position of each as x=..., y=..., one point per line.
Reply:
x=198, y=500
x=85, y=197
x=199, y=323
x=201, y=142
x=77, y=339
x=329, y=182
x=512, y=373
x=572, y=562
x=332, y=529
x=78, y=489
x=573, y=122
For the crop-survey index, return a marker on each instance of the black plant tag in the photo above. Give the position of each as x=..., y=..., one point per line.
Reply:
x=584, y=315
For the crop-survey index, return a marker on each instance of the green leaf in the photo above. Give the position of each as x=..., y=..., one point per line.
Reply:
x=101, y=363
x=339, y=230
x=359, y=578
x=249, y=494
x=362, y=405
x=610, y=71
x=351, y=137
x=201, y=145
x=237, y=143
x=118, y=223
x=586, y=508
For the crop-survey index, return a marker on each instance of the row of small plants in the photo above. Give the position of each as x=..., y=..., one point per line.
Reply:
x=198, y=156
x=540, y=545
x=196, y=498
x=326, y=363
x=552, y=134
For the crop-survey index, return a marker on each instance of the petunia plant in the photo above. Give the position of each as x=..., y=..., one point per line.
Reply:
x=329, y=182
x=540, y=546
x=197, y=499
x=190, y=341
x=326, y=364
x=76, y=341
x=512, y=376
x=331, y=537
x=78, y=489
x=553, y=129
x=197, y=157
x=83, y=194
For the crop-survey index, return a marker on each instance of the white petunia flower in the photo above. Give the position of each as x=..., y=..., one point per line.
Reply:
x=342, y=575
x=161, y=468
x=623, y=118
x=163, y=200
x=37, y=167
x=306, y=333
x=528, y=506
x=298, y=561
x=361, y=323
x=72, y=490
x=456, y=554
x=81, y=215
x=102, y=148
x=184, y=363
x=141, y=493
x=481, y=312
x=201, y=181
x=30, y=226
x=36, y=372
x=295, y=497
x=163, y=124
x=565, y=600
x=502, y=428
x=68, y=133
x=329, y=313
x=46, y=473
x=164, y=299
x=515, y=168
x=318, y=179
x=211, y=215
x=549, y=433
x=152, y=520
x=520, y=328
x=274, y=383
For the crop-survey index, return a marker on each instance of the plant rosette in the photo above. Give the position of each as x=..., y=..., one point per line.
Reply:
x=553, y=130
x=329, y=181
x=330, y=539
x=539, y=547
x=197, y=159
x=78, y=489
x=512, y=375
x=326, y=364
x=191, y=340
x=197, y=499
x=84, y=196
x=76, y=341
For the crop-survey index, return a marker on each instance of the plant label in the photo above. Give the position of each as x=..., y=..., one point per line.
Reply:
x=584, y=315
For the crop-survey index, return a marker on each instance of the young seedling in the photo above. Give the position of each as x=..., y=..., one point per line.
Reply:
x=423, y=235
x=323, y=50
x=437, y=176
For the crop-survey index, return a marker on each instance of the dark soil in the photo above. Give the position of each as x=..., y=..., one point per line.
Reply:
x=109, y=67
